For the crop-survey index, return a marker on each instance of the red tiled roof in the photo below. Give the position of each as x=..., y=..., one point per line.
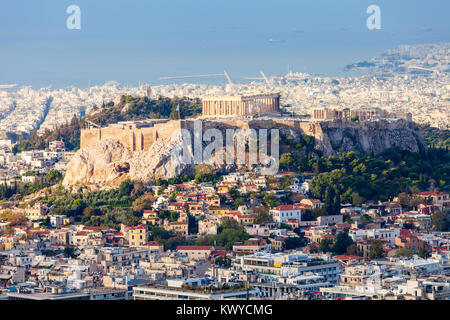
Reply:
x=141, y=226
x=154, y=243
x=176, y=204
x=348, y=257
x=405, y=232
x=431, y=193
x=441, y=248
x=96, y=228
x=194, y=248
x=285, y=207
x=233, y=213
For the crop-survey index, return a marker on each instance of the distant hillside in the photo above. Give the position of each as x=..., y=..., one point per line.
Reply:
x=436, y=138
x=128, y=109
x=139, y=108
x=69, y=133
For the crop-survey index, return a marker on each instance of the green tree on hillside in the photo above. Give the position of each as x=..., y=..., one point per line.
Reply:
x=54, y=177
x=441, y=221
x=376, y=249
x=343, y=240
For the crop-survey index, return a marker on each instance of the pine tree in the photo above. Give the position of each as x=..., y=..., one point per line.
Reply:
x=329, y=200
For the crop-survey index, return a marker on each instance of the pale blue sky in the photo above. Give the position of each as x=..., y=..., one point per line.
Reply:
x=138, y=40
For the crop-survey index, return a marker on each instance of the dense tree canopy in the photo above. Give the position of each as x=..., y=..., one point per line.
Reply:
x=441, y=220
x=98, y=208
x=356, y=178
x=343, y=240
x=376, y=249
x=19, y=189
x=228, y=234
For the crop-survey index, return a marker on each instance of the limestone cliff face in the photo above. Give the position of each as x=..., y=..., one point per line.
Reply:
x=104, y=162
x=333, y=137
x=162, y=160
x=369, y=137
x=108, y=162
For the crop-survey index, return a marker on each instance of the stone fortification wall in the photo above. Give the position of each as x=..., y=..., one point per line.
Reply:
x=134, y=138
x=332, y=137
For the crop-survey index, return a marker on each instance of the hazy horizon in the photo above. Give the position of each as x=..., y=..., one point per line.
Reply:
x=136, y=41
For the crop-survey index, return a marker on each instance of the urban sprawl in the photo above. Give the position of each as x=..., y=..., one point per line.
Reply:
x=235, y=234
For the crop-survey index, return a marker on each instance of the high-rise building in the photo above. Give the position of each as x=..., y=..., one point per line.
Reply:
x=148, y=91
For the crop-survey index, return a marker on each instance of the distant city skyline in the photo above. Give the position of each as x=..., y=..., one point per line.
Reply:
x=136, y=41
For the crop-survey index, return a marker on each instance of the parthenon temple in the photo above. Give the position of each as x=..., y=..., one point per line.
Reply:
x=241, y=104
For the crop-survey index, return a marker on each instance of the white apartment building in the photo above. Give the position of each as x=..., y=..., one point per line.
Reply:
x=288, y=265
x=286, y=212
x=388, y=235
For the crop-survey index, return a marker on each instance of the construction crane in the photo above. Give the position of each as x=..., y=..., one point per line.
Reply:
x=92, y=124
x=425, y=69
x=263, y=77
x=224, y=74
x=8, y=86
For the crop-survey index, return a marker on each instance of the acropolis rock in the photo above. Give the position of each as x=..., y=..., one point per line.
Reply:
x=142, y=151
x=109, y=162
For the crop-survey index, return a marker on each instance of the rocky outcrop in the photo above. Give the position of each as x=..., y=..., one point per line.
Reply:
x=333, y=137
x=108, y=162
x=371, y=138
x=105, y=162
x=163, y=160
